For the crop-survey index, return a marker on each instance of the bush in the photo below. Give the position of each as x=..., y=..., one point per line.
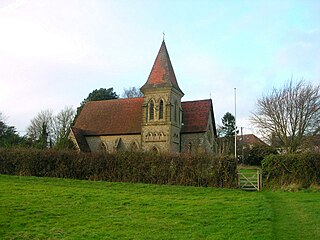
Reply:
x=256, y=154
x=301, y=169
x=142, y=167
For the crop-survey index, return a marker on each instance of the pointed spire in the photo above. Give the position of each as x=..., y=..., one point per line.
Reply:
x=162, y=74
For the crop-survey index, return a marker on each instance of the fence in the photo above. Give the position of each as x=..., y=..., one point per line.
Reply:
x=250, y=179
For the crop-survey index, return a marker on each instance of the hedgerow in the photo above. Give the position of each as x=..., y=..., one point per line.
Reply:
x=300, y=169
x=255, y=155
x=135, y=167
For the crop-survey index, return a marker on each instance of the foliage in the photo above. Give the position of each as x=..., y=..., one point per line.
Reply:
x=65, y=143
x=255, y=155
x=226, y=135
x=228, y=125
x=40, y=131
x=42, y=141
x=139, y=167
x=132, y=92
x=8, y=135
x=49, y=130
x=282, y=170
x=97, y=95
x=289, y=114
x=48, y=208
x=62, y=123
x=311, y=143
x=225, y=145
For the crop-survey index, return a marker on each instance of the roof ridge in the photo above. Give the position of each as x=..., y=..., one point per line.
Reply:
x=200, y=100
x=117, y=99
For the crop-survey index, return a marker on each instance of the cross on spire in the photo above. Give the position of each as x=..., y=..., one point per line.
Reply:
x=163, y=35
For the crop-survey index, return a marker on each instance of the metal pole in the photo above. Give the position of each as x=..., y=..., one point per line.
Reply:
x=235, y=123
x=242, y=150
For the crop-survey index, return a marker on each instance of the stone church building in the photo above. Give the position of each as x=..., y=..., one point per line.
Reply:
x=158, y=122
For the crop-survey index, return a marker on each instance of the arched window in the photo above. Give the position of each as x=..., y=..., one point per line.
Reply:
x=161, y=109
x=134, y=146
x=151, y=110
x=103, y=148
x=147, y=114
x=209, y=134
x=176, y=111
x=155, y=150
x=119, y=145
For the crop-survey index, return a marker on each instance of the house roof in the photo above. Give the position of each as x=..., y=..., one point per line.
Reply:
x=111, y=117
x=251, y=139
x=162, y=73
x=123, y=116
x=196, y=115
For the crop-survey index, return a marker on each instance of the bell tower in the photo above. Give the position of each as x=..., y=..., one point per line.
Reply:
x=161, y=109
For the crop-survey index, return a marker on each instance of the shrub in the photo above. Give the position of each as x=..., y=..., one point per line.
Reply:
x=301, y=169
x=256, y=154
x=142, y=167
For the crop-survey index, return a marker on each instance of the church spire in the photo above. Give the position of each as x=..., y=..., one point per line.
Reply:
x=162, y=74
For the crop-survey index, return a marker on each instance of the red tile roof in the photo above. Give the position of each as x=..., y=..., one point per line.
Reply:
x=108, y=117
x=251, y=139
x=123, y=116
x=196, y=115
x=162, y=73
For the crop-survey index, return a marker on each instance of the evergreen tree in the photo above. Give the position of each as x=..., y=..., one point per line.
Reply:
x=228, y=125
x=8, y=135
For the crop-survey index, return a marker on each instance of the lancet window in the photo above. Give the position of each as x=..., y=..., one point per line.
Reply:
x=151, y=110
x=161, y=109
x=176, y=112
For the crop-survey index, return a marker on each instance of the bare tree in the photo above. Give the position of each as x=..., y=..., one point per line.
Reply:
x=289, y=114
x=47, y=129
x=62, y=123
x=40, y=130
x=132, y=92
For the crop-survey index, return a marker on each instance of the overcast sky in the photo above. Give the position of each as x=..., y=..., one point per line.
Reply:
x=54, y=53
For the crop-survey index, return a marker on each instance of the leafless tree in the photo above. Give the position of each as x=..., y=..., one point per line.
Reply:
x=41, y=127
x=289, y=114
x=132, y=92
x=62, y=123
x=49, y=128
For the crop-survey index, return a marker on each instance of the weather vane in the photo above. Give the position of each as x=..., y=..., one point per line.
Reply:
x=163, y=35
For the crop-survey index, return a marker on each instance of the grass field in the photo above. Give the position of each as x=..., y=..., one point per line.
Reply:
x=47, y=208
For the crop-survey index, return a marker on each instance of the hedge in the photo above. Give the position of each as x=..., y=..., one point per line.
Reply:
x=134, y=167
x=291, y=169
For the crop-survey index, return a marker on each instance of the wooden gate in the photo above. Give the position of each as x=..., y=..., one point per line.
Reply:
x=250, y=179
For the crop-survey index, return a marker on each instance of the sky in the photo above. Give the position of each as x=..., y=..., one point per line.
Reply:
x=54, y=53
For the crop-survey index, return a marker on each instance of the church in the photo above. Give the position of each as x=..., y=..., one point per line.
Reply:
x=159, y=121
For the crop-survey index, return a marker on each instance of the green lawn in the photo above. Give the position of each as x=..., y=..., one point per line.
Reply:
x=47, y=208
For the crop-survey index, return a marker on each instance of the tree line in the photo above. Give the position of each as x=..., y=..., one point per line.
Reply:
x=288, y=118
x=49, y=130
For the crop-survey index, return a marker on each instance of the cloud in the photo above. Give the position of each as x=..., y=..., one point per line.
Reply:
x=53, y=53
x=11, y=6
x=31, y=41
